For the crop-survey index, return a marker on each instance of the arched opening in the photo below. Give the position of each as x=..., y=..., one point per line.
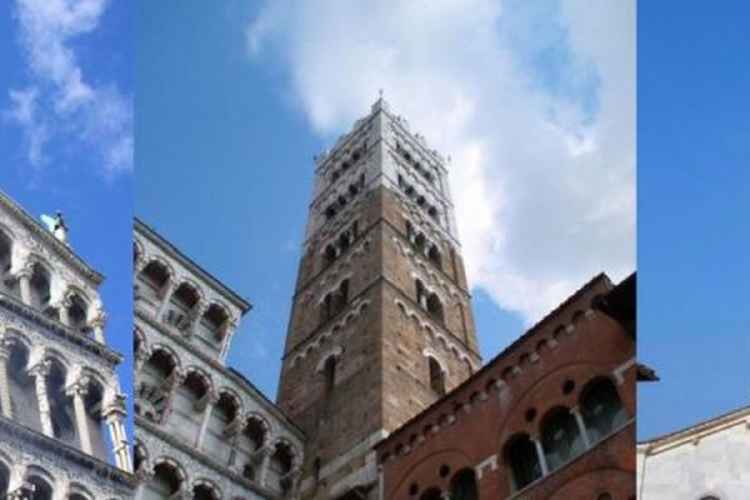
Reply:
x=342, y=297
x=181, y=304
x=42, y=489
x=78, y=314
x=164, y=483
x=99, y=437
x=420, y=241
x=154, y=278
x=204, y=492
x=25, y=407
x=151, y=384
x=433, y=493
x=60, y=404
x=4, y=479
x=223, y=414
x=139, y=457
x=326, y=308
x=255, y=432
x=329, y=374
x=345, y=241
x=6, y=259
x=421, y=294
x=186, y=405
x=602, y=409
x=464, y=485
x=41, y=282
x=437, y=376
x=561, y=438
x=330, y=254
x=522, y=461
x=435, y=307
x=280, y=465
x=212, y=327
x=434, y=256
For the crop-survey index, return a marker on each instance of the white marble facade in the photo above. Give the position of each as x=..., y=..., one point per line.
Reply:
x=202, y=430
x=62, y=431
x=709, y=461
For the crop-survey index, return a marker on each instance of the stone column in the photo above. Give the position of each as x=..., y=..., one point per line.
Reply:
x=113, y=415
x=23, y=492
x=207, y=402
x=62, y=309
x=171, y=384
x=581, y=426
x=40, y=371
x=5, y=401
x=229, y=328
x=97, y=324
x=196, y=314
x=167, y=294
x=24, y=280
x=540, y=456
x=264, y=465
x=78, y=390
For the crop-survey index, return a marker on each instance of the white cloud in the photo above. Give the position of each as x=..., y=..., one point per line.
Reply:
x=534, y=101
x=60, y=102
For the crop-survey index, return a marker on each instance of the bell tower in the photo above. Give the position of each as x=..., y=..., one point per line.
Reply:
x=381, y=324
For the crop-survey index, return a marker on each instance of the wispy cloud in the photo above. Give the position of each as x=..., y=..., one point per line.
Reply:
x=535, y=101
x=59, y=102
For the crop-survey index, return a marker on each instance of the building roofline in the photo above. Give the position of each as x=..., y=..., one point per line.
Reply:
x=505, y=352
x=705, y=425
x=63, y=250
x=140, y=225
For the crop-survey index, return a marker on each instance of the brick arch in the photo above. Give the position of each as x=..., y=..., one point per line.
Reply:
x=428, y=467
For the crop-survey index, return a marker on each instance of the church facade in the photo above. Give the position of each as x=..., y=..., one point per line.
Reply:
x=708, y=461
x=202, y=430
x=62, y=421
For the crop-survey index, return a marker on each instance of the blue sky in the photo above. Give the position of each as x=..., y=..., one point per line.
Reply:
x=228, y=123
x=693, y=192
x=73, y=168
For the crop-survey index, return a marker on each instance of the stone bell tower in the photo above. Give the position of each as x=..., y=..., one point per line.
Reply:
x=381, y=324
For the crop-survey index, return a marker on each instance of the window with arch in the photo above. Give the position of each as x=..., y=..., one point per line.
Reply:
x=181, y=304
x=280, y=465
x=435, y=308
x=186, y=404
x=437, y=376
x=41, y=286
x=212, y=328
x=78, y=312
x=602, y=409
x=98, y=435
x=152, y=280
x=326, y=308
x=464, y=485
x=24, y=405
x=561, y=438
x=204, y=492
x=6, y=254
x=42, y=488
x=165, y=482
x=434, y=256
x=151, y=384
x=329, y=374
x=62, y=414
x=221, y=424
x=523, y=461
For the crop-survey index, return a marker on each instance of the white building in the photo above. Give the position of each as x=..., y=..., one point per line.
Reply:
x=203, y=431
x=708, y=461
x=62, y=408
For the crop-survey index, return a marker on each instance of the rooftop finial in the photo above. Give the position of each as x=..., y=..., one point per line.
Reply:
x=56, y=226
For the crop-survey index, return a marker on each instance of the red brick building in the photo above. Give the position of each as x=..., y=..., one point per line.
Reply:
x=551, y=417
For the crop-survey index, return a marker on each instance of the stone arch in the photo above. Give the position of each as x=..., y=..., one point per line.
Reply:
x=335, y=352
x=7, y=247
x=168, y=477
x=256, y=431
x=43, y=480
x=154, y=277
x=205, y=489
x=77, y=491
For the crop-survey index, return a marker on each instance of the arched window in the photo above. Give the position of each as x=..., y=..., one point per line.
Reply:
x=40, y=287
x=329, y=373
x=326, y=308
x=464, y=485
x=420, y=241
x=561, y=438
x=342, y=296
x=98, y=434
x=345, y=241
x=165, y=482
x=151, y=381
x=330, y=254
x=280, y=466
x=181, y=303
x=220, y=426
x=154, y=278
x=42, y=489
x=437, y=376
x=78, y=314
x=61, y=406
x=421, y=294
x=434, y=256
x=6, y=253
x=203, y=492
x=212, y=325
x=186, y=405
x=24, y=405
x=602, y=409
x=435, y=307
x=523, y=461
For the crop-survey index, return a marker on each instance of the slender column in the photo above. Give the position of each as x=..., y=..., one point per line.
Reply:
x=113, y=416
x=40, y=372
x=581, y=426
x=195, y=317
x=172, y=383
x=264, y=465
x=97, y=324
x=229, y=328
x=209, y=401
x=5, y=401
x=165, y=298
x=78, y=391
x=62, y=309
x=540, y=456
x=24, y=280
